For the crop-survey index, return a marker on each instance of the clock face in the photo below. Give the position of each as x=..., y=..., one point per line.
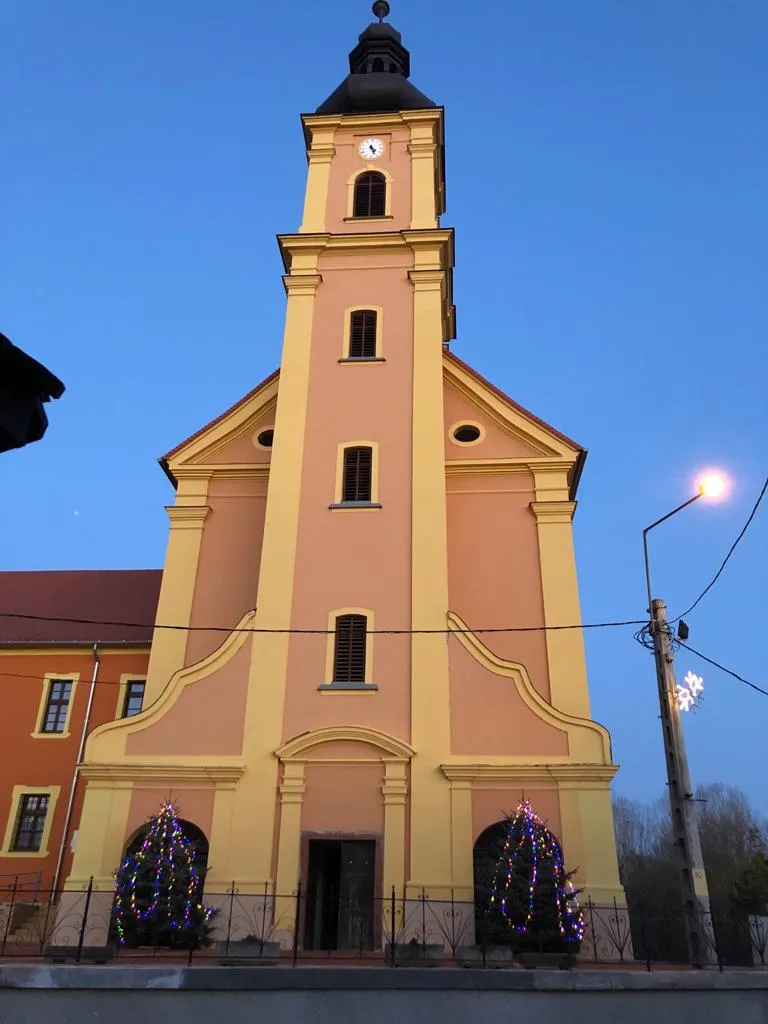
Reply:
x=371, y=149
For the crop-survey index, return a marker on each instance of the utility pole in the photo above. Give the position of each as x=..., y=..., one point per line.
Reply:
x=685, y=829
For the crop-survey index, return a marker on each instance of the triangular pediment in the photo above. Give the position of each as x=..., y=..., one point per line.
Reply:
x=229, y=440
x=509, y=431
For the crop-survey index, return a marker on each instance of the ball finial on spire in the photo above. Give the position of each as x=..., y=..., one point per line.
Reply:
x=380, y=9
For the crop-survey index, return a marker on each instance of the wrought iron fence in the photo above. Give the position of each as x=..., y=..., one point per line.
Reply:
x=78, y=926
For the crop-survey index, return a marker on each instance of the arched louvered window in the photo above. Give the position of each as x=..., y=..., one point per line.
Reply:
x=362, y=334
x=370, y=195
x=357, y=474
x=349, y=652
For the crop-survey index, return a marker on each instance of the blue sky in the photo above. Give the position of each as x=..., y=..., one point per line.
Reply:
x=608, y=182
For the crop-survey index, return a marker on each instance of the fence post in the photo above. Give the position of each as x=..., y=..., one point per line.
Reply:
x=10, y=913
x=296, y=925
x=44, y=932
x=393, y=937
x=645, y=937
x=229, y=918
x=81, y=937
x=263, y=935
x=424, y=919
x=590, y=907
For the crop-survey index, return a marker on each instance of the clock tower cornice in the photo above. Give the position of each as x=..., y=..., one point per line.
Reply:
x=433, y=248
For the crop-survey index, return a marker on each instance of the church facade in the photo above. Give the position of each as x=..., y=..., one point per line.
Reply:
x=345, y=707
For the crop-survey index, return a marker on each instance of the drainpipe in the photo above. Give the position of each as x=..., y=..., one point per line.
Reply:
x=76, y=775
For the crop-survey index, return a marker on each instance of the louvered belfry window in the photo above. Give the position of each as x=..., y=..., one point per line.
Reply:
x=362, y=334
x=358, y=465
x=370, y=195
x=349, y=650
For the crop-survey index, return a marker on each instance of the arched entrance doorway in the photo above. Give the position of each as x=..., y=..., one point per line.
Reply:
x=159, y=887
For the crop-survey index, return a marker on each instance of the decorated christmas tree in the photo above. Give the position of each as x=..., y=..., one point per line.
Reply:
x=531, y=903
x=159, y=887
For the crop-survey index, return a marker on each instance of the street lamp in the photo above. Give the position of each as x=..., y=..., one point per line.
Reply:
x=685, y=829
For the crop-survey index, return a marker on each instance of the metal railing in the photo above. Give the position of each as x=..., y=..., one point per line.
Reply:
x=78, y=926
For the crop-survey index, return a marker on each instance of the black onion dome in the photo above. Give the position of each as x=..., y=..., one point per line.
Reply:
x=379, y=68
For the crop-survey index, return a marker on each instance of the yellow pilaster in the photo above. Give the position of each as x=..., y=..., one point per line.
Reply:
x=289, y=844
x=565, y=647
x=253, y=827
x=220, y=878
x=423, y=150
x=394, y=791
x=177, y=589
x=461, y=838
x=430, y=698
x=319, y=156
x=588, y=839
x=101, y=834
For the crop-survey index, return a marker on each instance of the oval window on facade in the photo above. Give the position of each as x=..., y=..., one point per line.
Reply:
x=466, y=433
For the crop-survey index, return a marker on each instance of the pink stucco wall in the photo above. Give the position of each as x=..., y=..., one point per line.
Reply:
x=193, y=805
x=241, y=450
x=347, y=161
x=497, y=442
x=494, y=577
x=230, y=554
x=491, y=804
x=488, y=716
x=343, y=798
x=207, y=717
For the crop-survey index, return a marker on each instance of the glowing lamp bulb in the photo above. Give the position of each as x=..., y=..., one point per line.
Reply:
x=712, y=485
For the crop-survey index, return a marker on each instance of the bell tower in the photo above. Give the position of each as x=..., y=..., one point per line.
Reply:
x=370, y=256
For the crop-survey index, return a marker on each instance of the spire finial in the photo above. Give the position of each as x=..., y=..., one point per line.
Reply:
x=380, y=9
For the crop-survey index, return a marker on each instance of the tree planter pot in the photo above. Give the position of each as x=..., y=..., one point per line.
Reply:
x=241, y=952
x=414, y=954
x=93, y=954
x=552, y=961
x=495, y=956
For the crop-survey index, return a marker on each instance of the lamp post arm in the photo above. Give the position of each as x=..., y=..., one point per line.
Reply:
x=646, y=531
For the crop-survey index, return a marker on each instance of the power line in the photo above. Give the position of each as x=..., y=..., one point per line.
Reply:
x=723, y=668
x=723, y=564
x=311, y=632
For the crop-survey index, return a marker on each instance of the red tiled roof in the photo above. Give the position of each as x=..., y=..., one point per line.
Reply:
x=106, y=595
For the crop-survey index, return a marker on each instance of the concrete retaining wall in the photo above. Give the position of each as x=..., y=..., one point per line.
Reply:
x=39, y=994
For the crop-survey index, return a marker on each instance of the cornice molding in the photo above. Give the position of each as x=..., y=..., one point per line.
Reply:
x=388, y=746
x=553, y=511
x=142, y=772
x=301, y=284
x=187, y=517
x=433, y=245
x=589, y=774
x=486, y=467
x=369, y=122
x=199, y=472
x=223, y=471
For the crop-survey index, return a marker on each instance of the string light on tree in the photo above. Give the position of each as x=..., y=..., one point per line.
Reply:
x=532, y=893
x=158, y=888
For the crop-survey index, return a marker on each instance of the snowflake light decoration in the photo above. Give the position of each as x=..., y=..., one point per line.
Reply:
x=687, y=696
